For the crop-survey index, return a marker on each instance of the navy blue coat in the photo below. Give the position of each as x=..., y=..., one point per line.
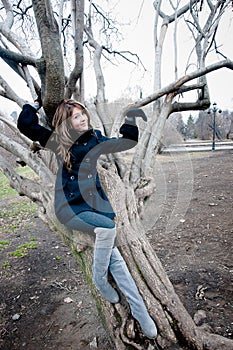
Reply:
x=78, y=189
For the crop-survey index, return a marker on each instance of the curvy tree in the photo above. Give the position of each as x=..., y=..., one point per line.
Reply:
x=60, y=34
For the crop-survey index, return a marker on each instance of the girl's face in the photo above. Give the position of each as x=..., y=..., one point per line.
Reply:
x=79, y=119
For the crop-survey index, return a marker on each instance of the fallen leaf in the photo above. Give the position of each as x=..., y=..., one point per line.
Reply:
x=68, y=300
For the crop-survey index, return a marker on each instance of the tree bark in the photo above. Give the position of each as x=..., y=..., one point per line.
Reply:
x=77, y=13
x=51, y=67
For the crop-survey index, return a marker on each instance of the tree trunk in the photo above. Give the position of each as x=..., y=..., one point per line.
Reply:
x=51, y=65
x=176, y=328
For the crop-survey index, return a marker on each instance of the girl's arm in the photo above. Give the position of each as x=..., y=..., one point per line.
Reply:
x=129, y=131
x=128, y=140
x=28, y=124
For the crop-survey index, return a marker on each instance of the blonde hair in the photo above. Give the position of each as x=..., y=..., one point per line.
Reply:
x=62, y=125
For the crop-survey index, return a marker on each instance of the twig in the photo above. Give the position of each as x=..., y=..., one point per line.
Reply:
x=48, y=330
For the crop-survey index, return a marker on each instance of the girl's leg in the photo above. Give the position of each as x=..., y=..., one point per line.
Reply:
x=105, y=233
x=87, y=221
x=128, y=287
x=107, y=256
x=104, y=243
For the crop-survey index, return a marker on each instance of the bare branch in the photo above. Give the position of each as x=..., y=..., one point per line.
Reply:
x=191, y=106
x=109, y=27
x=10, y=55
x=123, y=54
x=9, y=15
x=215, y=341
x=144, y=188
x=100, y=96
x=13, y=127
x=222, y=7
x=23, y=186
x=22, y=11
x=78, y=24
x=9, y=93
x=99, y=11
x=15, y=40
x=186, y=88
x=176, y=85
x=30, y=158
x=51, y=70
x=176, y=14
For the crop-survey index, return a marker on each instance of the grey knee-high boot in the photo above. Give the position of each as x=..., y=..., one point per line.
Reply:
x=126, y=283
x=104, y=243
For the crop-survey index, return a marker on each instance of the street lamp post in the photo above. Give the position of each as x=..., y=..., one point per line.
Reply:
x=214, y=110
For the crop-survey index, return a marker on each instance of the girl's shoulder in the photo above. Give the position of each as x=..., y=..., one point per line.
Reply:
x=98, y=134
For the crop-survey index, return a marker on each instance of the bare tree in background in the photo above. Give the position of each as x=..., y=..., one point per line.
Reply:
x=61, y=31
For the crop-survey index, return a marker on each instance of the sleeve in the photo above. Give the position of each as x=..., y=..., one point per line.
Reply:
x=28, y=124
x=129, y=131
x=128, y=140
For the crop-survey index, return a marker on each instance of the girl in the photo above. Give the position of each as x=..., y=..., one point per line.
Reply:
x=80, y=202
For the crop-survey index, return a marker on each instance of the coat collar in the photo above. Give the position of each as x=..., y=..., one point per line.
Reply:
x=81, y=137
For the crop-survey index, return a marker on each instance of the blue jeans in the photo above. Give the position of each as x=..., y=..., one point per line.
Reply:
x=87, y=221
x=108, y=258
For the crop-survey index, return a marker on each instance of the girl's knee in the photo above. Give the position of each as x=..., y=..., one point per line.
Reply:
x=112, y=224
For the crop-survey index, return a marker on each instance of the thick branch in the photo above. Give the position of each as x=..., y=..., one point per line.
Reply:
x=174, y=89
x=9, y=15
x=29, y=158
x=13, y=127
x=145, y=188
x=23, y=186
x=13, y=56
x=15, y=40
x=78, y=23
x=100, y=96
x=214, y=341
x=183, y=10
x=191, y=106
x=202, y=102
x=7, y=92
x=176, y=85
x=19, y=63
x=186, y=88
x=52, y=69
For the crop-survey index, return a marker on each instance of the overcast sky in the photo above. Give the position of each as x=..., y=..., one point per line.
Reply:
x=138, y=38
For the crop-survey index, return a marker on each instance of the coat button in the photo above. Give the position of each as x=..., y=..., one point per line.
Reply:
x=90, y=194
x=71, y=195
x=89, y=176
x=72, y=177
x=87, y=160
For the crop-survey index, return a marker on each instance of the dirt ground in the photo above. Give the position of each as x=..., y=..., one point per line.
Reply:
x=196, y=251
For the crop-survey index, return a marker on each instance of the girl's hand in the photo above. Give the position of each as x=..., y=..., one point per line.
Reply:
x=133, y=113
